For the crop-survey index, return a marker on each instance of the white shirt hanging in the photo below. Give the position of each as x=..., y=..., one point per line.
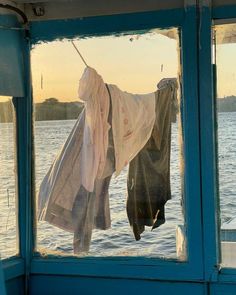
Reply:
x=133, y=117
x=93, y=91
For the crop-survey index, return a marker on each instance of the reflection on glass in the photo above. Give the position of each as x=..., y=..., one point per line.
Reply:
x=136, y=64
x=226, y=120
x=8, y=209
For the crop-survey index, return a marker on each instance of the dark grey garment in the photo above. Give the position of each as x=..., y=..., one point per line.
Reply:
x=149, y=172
x=91, y=210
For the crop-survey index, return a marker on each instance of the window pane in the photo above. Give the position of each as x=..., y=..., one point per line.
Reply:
x=136, y=63
x=226, y=120
x=8, y=212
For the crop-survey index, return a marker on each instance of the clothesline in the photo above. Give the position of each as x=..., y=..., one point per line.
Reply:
x=79, y=53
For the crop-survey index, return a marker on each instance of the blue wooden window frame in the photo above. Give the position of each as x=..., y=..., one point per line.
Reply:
x=203, y=235
x=208, y=141
x=127, y=267
x=225, y=274
x=19, y=265
x=24, y=112
x=208, y=147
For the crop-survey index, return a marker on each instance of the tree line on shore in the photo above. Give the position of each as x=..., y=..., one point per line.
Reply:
x=49, y=109
x=227, y=104
x=53, y=109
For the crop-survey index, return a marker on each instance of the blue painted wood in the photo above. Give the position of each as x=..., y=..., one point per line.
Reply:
x=23, y=108
x=210, y=202
x=145, y=267
x=48, y=285
x=190, y=119
x=13, y=267
x=140, y=268
x=43, y=31
x=16, y=286
x=224, y=12
x=70, y=275
x=223, y=289
x=11, y=66
x=227, y=278
x=2, y=281
x=225, y=274
x=115, y=269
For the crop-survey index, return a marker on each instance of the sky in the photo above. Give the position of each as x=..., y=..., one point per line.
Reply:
x=226, y=70
x=134, y=63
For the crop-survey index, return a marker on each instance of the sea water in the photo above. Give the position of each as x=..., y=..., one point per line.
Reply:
x=119, y=239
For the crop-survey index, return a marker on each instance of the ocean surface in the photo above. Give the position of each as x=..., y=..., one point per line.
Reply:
x=119, y=239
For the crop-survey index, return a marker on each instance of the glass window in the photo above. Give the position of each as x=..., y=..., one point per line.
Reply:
x=226, y=121
x=136, y=64
x=8, y=201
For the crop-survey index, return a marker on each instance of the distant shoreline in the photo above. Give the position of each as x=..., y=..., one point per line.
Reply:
x=226, y=104
x=51, y=109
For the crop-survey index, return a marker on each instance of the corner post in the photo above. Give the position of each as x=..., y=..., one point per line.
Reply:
x=23, y=111
x=210, y=202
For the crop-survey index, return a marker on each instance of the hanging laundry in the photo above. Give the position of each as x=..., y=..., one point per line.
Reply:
x=149, y=172
x=89, y=210
x=74, y=193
